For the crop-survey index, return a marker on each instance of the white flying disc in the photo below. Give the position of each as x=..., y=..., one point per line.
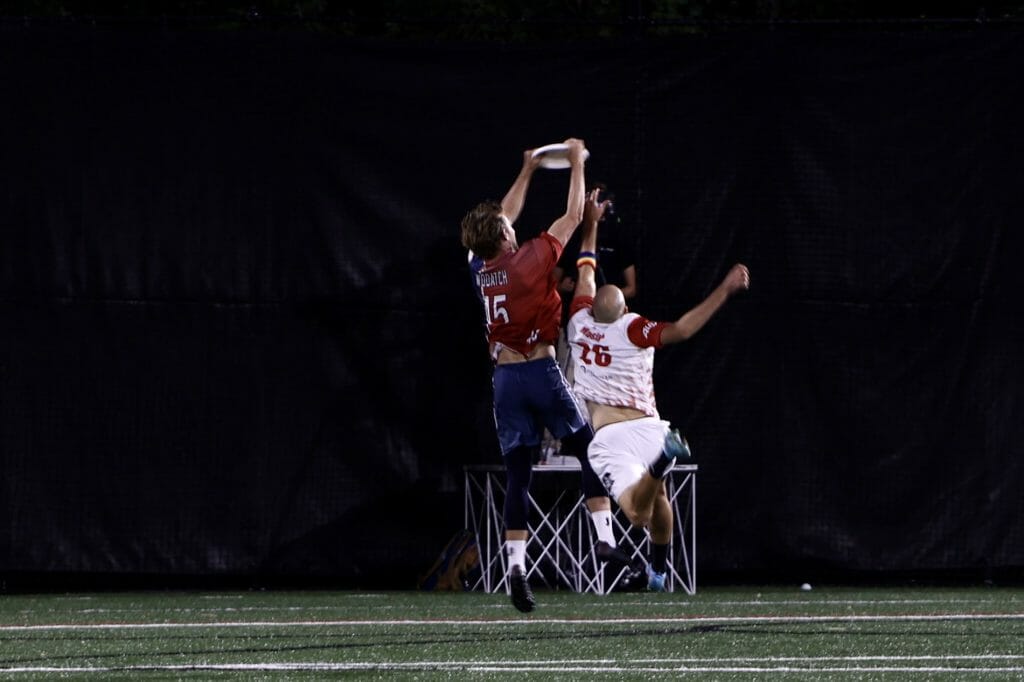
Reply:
x=555, y=155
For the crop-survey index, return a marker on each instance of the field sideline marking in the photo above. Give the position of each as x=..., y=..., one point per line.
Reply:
x=685, y=620
x=480, y=666
x=799, y=659
x=816, y=602
x=752, y=602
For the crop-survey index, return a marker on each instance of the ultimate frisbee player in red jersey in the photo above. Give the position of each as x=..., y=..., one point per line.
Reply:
x=523, y=311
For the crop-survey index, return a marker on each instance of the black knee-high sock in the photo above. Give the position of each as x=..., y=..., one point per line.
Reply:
x=518, y=470
x=659, y=467
x=659, y=558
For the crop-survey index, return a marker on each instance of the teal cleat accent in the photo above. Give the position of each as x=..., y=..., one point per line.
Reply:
x=655, y=581
x=676, y=446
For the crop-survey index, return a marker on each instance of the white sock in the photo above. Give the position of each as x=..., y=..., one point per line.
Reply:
x=603, y=526
x=516, y=551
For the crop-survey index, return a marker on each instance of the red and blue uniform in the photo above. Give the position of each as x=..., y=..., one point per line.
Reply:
x=523, y=309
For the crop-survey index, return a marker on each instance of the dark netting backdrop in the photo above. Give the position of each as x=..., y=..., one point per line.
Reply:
x=237, y=336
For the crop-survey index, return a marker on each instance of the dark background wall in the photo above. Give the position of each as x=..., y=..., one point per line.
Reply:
x=236, y=335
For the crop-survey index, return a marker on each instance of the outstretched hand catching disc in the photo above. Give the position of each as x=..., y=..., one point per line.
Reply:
x=555, y=155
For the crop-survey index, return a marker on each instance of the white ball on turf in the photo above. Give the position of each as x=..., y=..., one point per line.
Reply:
x=806, y=587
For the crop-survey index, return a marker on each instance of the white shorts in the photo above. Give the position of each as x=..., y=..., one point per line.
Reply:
x=621, y=452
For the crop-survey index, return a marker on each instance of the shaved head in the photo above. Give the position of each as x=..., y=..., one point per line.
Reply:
x=609, y=304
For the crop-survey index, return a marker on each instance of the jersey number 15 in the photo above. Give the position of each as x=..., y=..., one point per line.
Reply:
x=494, y=309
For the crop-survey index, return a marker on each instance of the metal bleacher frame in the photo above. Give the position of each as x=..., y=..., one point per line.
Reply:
x=560, y=547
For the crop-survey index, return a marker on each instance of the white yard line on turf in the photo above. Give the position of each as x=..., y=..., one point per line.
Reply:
x=511, y=666
x=602, y=605
x=801, y=602
x=811, y=659
x=603, y=622
x=749, y=669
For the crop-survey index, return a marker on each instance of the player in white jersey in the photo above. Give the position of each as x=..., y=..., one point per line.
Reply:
x=613, y=351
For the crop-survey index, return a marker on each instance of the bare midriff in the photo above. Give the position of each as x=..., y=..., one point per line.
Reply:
x=603, y=415
x=541, y=350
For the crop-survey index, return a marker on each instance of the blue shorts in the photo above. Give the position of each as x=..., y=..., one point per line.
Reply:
x=529, y=397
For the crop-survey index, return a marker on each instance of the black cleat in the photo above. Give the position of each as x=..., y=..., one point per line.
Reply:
x=634, y=579
x=605, y=553
x=522, y=596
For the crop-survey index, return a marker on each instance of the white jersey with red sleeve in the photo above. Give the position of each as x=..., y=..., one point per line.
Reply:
x=614, y=362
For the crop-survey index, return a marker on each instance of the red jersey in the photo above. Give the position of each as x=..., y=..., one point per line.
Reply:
x=521, y=297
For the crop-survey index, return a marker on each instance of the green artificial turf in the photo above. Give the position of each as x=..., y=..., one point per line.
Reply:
x=719, y=633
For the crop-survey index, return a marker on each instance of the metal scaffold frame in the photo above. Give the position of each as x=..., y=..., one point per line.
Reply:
x=560, y=546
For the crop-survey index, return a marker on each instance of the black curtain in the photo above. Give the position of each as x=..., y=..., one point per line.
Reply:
x=237, y=335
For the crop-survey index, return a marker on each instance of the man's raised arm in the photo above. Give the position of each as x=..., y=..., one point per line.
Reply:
x=586, y=264
x=512, y=204
x=691, y=322
x=563, y=228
